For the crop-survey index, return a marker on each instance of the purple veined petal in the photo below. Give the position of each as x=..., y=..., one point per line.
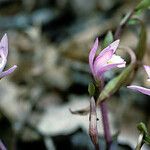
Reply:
x=7, y=72
x=140, y=89
x=147, y=69
x=92, y=55
x=108, y=67
x=113, y=46
x=101, y=61
x=4, y=45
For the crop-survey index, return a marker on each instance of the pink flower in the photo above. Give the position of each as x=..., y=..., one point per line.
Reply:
x=143, y=90
x=3, y=57
x=106, y=60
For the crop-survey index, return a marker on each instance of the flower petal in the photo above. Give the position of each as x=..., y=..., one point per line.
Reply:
x=4, y=45
x=101, y=61
x=7, y=72
x=92, y=55
x=117, y=59
x=113, y=46
x=140, y=89
x=147, y=69
x=108, y=67
x=3, y=61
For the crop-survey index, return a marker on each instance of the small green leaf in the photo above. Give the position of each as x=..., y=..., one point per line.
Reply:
x=144, y=4
x=147, y=139
x=142, y=127
x=91, y=89
x=107, y=40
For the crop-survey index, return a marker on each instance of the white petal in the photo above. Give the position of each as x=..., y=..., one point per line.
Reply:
x=117, y=59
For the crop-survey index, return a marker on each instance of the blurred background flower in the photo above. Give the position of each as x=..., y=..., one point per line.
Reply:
x=141, y=89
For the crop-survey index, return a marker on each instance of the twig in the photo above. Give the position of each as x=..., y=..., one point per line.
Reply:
x=122, y=25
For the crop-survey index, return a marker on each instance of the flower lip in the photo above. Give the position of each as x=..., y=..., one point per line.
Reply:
x=117, y=59
x=108, y=67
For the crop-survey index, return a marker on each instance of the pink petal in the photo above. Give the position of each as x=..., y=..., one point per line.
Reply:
x=113, y=46
x=140, y=89
x=3, y=61
x=7, y=72
x=101, y=61
x=108, y=67
x=92, y=55
x=4, y=45
x=147, y=69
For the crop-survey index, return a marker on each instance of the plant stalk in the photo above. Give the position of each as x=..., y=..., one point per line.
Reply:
x=106, y=128
x=105, y=122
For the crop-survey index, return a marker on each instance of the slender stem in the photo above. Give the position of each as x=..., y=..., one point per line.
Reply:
x=104, y=113
x=107, y=134
x=122, y=24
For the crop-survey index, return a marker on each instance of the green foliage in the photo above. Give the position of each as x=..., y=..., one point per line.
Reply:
x=147, y=139
x=144, y=4
x=133, y=21
x=142, y=128
x=91, y=89
x=107, y=40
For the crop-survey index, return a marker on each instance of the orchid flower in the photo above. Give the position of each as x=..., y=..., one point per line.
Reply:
x=106, y=60
x=143, y=90
x=3, y=57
